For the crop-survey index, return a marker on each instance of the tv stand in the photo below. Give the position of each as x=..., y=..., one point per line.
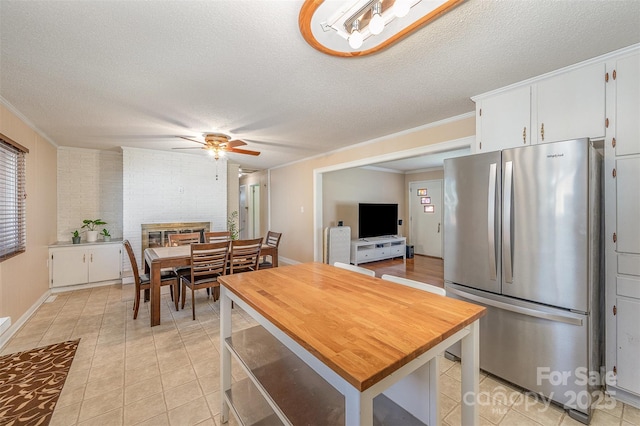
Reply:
x=377, y=248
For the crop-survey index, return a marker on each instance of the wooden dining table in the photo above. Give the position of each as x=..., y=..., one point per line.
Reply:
x=363, y=335
x=158, y=258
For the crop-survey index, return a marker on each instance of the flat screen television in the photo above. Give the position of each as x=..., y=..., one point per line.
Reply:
x=377, y=220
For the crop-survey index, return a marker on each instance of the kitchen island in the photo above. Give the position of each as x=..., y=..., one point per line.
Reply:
x=331, y=341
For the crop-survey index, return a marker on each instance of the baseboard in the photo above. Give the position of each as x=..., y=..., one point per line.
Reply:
x=283, y=261
x=64, y=289
x=5, y=323
x=4, y=337
x=624, y=396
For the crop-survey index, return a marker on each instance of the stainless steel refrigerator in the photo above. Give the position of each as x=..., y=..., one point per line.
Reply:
x=522, y=233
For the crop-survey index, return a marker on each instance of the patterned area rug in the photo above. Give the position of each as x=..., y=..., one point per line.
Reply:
x=31, y=382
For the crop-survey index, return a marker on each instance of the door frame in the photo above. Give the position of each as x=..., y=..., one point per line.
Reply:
x=455, y=144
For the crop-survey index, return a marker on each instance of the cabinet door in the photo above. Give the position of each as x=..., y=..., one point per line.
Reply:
x=104, y=262
x=572, y=105
x=628, y=205
x=628, y=105
x=628, y=342
x=68, y=267
x=504, y=120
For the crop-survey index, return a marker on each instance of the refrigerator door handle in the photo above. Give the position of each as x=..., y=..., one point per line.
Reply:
x=491, y=221
x=517, y=309
x=507, y=253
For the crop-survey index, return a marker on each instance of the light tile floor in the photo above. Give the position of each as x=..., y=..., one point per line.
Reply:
x=127, y=373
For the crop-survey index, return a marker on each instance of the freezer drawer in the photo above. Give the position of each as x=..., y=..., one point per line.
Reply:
x=532, y=346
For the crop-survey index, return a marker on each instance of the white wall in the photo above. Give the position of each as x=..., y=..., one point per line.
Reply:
x=342, y=190
x=89, y=187
x=163, y=187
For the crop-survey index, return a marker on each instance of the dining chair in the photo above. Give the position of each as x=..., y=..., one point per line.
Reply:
x=208, y=262
x=272, y=239
x=184, y=239
x=415, y=284
x=355, y=268
x=217, y=236
x=143, y=282
x=244, y=255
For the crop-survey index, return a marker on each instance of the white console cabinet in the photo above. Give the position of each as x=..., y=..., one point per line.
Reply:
x=378, y=248
x=74, y=264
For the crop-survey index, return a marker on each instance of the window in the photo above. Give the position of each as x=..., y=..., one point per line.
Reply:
x=13, y=223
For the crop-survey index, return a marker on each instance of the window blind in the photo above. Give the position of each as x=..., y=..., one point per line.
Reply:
x=13, y=221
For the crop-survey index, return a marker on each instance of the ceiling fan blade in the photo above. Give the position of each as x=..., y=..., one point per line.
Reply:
x=192, y=140
x=242, y=151
x=236, y=142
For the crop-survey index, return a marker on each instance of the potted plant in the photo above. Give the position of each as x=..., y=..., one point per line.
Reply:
x=75, y=237
x=90, y=224
x=106, y=236
x=232, y=225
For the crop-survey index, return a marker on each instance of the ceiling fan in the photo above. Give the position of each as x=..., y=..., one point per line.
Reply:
x=217, y=144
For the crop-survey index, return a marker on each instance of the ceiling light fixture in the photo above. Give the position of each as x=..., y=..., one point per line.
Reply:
x=355, y=38
x=401, y=8
x=378, y=23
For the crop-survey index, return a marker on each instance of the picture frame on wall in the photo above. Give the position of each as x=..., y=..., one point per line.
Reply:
x=430, y=209
x=422, y=192
x=425, y=200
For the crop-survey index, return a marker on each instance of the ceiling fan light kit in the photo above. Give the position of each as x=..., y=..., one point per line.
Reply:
x=362, y=27
x=218, y=144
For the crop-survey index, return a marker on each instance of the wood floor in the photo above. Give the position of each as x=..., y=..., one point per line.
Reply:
x=426, y=269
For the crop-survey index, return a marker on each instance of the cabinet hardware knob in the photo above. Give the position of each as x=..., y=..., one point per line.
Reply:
x=606, y=123
x=614, y=74
x=613, y=173
x=606, y=77
x=524, y=135
x=615, y=310
x=615, y=237
x=613, y=142
x=542, y=131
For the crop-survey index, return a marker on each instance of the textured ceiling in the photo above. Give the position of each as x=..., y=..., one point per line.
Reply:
x=104, y=74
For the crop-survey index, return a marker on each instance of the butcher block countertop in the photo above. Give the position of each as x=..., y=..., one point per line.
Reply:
x=363, y=328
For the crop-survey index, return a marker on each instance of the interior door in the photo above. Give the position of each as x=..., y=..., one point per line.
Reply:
x=254, y=211
x=425, y=204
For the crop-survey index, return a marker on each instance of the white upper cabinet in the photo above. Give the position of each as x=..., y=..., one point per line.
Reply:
x=503, y=120
x=627, y=81
x=571, y=105
x=628, y=204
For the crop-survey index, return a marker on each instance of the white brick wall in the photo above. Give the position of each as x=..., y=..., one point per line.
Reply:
x=89, y=187
x=136, y=186
x=163, y=186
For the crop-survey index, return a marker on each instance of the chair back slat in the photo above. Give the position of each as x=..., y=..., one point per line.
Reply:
x=244, y=255
x=355, y=268
x=208, y=260
x=184, y=239
x=217, y=236
x=273, y=238
x=415, y=284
